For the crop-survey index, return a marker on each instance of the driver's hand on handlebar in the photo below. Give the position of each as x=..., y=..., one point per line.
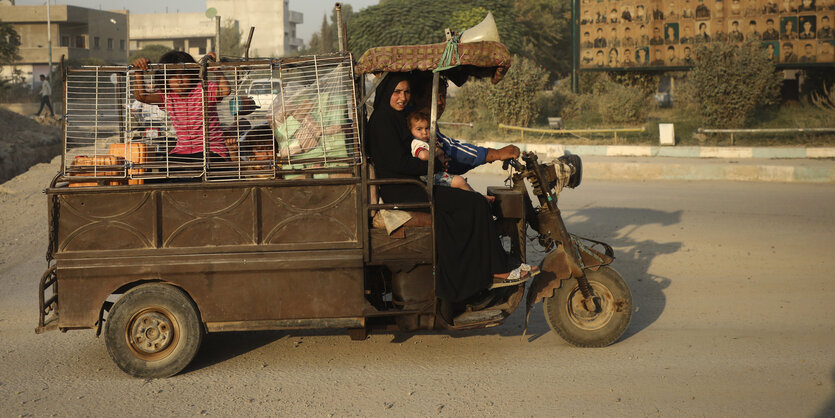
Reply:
x=511, y=162
x=509, y=152
x=505, y=153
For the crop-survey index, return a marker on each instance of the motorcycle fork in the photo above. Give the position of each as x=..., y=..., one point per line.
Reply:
x=551, y=224
x=554, y=228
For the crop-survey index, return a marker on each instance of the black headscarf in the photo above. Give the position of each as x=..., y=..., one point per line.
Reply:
x=468, y=248
x=389, y=145
x=385, y=121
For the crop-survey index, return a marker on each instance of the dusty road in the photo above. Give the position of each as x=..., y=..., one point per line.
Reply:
x=733, y=285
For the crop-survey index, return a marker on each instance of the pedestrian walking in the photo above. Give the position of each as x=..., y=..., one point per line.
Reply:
x=46, y=92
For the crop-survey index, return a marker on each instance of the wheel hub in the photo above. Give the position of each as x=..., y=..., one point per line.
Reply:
x=595, y=318
x=151, y=332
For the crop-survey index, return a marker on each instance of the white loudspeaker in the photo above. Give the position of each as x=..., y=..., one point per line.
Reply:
x=484, y=31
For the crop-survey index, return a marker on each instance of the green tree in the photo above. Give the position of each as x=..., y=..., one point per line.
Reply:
x=546, y=33
x=512, y=101
x=536, y=29
x=731, y=83
x=620, y=103
x=467, y=18
x=423, y=22
x=824, y=100
x=230, y=39
x=645, y=81
x=9, y=44
x=327, y=39
x=151, y=52
x=326, y=44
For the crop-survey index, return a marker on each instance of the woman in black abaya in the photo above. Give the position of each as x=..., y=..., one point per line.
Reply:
x=470, y=256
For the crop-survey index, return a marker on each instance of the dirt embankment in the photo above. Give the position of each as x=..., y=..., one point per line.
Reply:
x=25, y=142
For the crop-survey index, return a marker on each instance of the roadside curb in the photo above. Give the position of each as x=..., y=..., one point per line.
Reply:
x=749, y=164
x=555, y=150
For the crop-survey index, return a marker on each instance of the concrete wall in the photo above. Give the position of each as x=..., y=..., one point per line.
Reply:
x=190, y=32
x=271, y=18
x=70, y=22
x=275, y=33
x=267, y=17
x=110, y=35
x=170, y=26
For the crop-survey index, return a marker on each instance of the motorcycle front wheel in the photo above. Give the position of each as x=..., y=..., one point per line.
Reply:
x=568, y=317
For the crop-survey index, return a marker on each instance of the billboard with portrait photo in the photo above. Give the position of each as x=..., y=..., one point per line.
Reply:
x=826, y=50
x=807, y=26
x=808, y=51
x=788, y=53
x=671, y=34
x=649, y=27
x=773, y=47
x=642, y=56
x=788, y=28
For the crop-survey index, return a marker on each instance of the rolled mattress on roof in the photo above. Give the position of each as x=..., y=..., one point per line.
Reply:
x=479, y=59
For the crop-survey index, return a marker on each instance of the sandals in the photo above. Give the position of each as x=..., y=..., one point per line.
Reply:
x=517, y=276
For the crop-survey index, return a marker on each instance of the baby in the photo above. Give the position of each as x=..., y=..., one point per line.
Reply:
x=418, y=122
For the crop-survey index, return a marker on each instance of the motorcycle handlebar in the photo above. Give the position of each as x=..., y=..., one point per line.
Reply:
x=512, y=162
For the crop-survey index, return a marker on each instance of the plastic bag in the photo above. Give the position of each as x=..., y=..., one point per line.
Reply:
x=304, y=114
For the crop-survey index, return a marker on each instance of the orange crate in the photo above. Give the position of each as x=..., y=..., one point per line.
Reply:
x=134, y=152
x=87, y=163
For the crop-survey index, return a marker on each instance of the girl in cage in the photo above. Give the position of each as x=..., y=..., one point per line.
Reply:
x=470, y=255
x=182, y=98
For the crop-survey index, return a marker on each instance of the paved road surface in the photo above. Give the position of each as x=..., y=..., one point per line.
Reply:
x=733, y=286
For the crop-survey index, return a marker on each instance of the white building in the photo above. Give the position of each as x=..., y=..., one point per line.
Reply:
x=275, y=27
x=190, y=32
x=79, y=34
x=275, y=24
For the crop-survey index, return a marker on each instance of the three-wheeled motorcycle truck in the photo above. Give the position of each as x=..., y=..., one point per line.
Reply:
x=155, y=252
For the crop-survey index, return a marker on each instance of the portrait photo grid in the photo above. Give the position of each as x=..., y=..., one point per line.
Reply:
x=638, y=33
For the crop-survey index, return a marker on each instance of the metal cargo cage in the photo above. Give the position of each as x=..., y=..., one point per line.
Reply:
x=283, y=118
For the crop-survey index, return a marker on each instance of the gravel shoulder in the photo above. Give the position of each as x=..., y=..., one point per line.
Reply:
x=24, y=142
x=733, y=288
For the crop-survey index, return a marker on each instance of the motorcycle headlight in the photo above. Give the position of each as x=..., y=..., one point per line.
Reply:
x=565, y=171
x=569, y=170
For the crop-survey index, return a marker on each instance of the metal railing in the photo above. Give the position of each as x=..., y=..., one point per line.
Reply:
x=763, y=131
x=462, y=124
x=614, y=131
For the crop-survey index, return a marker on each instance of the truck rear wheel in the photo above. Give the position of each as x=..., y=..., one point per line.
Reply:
x=568, y=317
x=153, y=330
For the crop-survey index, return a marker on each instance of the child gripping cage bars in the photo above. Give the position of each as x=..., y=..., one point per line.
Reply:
x=211, y=121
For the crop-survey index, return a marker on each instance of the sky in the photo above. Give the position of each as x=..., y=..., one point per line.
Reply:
x=313, y=10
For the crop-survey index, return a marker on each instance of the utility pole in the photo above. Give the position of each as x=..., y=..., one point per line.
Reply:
x=49, y=42
x=575, y=44
x=217, y=37
x=127, y=37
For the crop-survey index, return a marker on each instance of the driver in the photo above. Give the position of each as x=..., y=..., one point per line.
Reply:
x=463, y=157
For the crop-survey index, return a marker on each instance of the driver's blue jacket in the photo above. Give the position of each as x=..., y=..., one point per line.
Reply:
x=463, y=156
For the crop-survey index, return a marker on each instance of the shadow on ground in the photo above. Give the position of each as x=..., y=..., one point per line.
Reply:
x=223, y=346
x=616, y=226
x=828, y=410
